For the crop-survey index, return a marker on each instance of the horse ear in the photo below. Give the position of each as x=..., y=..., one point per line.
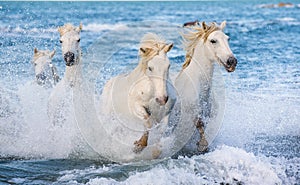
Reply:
x=204, y=26
x=144, y=51
x=223, y=25
x=35, y=50
x=79, y=27
x=60, y=30
x=168, y=47
x=52, y=53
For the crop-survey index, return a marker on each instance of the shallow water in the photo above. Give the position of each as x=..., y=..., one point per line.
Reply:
x=258, y=143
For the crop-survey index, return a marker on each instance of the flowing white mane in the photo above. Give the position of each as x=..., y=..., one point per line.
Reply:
x=192, y=37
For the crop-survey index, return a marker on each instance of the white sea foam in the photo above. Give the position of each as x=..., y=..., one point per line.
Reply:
x=224, y=165
x=28, y=132
x=17, y=180
x=286, y=19
x=94, y=27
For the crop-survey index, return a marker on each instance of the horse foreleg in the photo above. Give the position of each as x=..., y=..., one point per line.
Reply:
x=141, y=143
x=202, y=143
x=142, y=112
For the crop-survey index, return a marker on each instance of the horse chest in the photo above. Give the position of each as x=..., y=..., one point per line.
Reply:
x=142, y=91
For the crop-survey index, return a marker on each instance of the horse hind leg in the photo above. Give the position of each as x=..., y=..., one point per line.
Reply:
x=202, y=143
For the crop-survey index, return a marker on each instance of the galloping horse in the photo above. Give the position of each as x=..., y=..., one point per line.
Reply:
x=45, y=71
x=204, y=45
x=60, y=96
x=144, y=90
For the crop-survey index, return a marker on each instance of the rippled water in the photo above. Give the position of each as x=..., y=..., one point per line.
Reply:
x=259, y=141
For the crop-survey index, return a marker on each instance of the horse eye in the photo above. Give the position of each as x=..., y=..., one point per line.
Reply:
x=213, y=41
x=60, y=41
x=150, y=69
x=78, y=40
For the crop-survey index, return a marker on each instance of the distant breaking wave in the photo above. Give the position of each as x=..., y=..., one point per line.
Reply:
x=93, y=27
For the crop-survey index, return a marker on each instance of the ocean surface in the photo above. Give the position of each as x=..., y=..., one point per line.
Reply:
x=259, y=138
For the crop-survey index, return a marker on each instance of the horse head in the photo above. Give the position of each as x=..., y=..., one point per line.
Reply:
x=156, y=64
x=69, y=39
x=43, y=67
x=214, y=42
x=218, y=48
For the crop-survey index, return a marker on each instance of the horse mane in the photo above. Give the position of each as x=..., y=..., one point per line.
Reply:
x=67, y=27
x=40, y=53
x=150, y=46
x=193, y=35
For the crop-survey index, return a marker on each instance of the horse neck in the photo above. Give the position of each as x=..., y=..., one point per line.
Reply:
x=200, y=68
x=73, y=73
x=137, y=73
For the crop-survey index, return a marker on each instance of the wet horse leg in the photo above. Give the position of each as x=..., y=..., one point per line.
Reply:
x=143, y=141
x=202, y=143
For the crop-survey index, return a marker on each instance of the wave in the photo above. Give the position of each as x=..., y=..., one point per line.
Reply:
x=279, y=5
x=94, y=27
x=224, y=165
x=20, y=30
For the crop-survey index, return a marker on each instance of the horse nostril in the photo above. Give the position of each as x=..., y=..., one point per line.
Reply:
x=232, y=61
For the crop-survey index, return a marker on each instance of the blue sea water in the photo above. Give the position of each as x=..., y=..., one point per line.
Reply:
x=259, y=141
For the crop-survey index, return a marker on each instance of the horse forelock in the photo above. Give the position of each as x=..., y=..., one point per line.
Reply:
x=154, y=45
x=66, y=28
x=192, y=37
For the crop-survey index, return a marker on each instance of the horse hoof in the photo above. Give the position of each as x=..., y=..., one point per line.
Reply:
x=138, y=147
x=202, y=149
x=202, y=146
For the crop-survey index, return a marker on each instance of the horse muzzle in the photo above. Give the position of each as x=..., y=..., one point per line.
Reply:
x=162, y=100
x=231, y=64
x=69, y=58
x=40, y=78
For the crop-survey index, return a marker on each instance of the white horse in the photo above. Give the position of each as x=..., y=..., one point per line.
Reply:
x=141, y=93
x=60, y=104
x=204, y=45
x=45, y=71
x=70, y=39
